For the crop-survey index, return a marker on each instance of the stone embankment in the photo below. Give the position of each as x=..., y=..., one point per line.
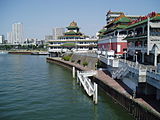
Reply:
x=28, y=52
x=136, y=106
x=91, y=62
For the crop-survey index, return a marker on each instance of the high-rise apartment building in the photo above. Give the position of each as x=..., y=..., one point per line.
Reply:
x=9, y=38
x=16, y=36
x=17, y=31
x=2, y=39
x=57, y=32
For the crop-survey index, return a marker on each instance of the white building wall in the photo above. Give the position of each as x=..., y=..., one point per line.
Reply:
x=10, y=38
x=1, y=39
x=58, y=32
x=17, y=33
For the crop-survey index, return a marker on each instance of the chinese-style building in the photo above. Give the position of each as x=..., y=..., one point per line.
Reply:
x=112, y=35
x=139, y=37
x=143, y=38
x=72, y=40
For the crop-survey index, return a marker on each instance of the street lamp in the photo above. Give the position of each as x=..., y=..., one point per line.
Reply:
x=136, y=57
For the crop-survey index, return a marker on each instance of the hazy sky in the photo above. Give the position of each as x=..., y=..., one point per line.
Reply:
x=40, y=16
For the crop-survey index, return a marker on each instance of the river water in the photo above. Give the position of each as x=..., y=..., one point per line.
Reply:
x=32, y=89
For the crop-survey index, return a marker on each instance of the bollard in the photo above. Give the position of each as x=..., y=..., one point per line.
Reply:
x=73, y=72
x=95, y=95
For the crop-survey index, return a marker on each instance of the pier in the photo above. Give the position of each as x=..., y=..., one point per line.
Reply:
x=90, y=88
x=136, y=106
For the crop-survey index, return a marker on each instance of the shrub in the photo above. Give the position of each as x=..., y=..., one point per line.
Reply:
x=85, y=63
x=66, y=58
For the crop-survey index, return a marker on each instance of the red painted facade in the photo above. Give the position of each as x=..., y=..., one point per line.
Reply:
x=113, y=46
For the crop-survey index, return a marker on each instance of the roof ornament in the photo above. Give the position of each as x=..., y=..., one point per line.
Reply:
x=73, y=23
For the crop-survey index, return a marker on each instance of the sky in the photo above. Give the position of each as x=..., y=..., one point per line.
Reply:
x=39, y=17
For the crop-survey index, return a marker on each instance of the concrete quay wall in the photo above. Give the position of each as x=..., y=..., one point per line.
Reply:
x=137, y=107
x=20, y=52
x=81, y=59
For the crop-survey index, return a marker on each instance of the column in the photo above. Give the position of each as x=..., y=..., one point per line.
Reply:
x=155, y=56
x=142, y=57
x=73, y=72
x=143, y=27
x=155, y=59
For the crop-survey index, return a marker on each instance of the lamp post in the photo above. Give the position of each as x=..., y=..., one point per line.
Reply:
x=136, y=57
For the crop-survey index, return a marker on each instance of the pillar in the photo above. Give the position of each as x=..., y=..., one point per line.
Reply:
x=142, y=57
x=155, y=59
x=95, y=95
x=73, y=72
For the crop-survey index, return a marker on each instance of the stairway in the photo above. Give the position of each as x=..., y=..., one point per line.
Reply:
x=120, y=72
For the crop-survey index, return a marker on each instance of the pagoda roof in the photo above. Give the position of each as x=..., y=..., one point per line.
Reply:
x=121, y=26
x=115, y=28
x=70, y=32
x=112, y=12
x=155, y=18
x=72, y=27
x=121, y=19
x=72, y=36
x=73, y=33
x=102, y=30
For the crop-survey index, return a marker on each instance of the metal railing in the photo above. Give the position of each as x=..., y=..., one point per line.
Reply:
x=90, y=88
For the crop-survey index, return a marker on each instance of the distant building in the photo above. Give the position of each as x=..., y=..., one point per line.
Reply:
x=2, y=39
x=39, y=42
x=9, y=38
x=48, y=37
x=17, y=30
x=30, y=41
x=16, y=35
x=58, y=32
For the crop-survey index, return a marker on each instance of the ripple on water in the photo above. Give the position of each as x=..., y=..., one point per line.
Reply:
x=32, y=89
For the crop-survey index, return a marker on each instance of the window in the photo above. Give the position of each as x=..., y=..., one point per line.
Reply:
x=123, y=33
x=118, y=48
x=116, y=33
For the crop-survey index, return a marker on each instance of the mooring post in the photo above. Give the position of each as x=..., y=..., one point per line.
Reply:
x=77, y=75
x=95, y=95
x=73, y=72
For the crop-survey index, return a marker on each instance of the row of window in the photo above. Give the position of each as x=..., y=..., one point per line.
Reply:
x=73, y=47
x=76, y=42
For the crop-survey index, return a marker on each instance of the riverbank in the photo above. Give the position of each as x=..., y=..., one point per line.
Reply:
x=136, y=106
x=28, y=52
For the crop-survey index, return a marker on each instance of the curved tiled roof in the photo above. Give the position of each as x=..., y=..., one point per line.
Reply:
x=157, y=17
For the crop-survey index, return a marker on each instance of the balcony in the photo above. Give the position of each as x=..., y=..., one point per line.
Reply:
x=54, y=50
x=141, y=48
x=139, y=36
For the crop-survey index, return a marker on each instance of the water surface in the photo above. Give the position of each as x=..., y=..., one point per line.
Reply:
x=32, y=89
